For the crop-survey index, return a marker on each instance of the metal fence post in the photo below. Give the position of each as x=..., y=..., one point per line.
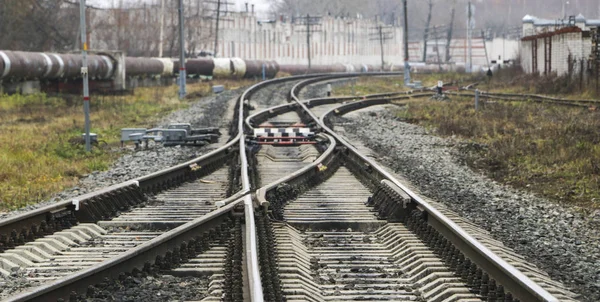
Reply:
x=476, y=99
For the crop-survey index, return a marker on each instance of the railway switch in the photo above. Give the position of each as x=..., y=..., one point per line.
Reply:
x=175, y=134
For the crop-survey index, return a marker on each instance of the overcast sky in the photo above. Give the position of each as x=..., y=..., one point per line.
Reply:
x=260, y=5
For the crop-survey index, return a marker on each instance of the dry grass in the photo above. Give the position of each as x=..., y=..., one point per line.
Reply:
x=551, y=150
x=37, y=155
x=371, y=85
x=513, y=80
x=375, y=85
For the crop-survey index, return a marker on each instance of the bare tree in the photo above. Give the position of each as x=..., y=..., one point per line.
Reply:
x=38, y=25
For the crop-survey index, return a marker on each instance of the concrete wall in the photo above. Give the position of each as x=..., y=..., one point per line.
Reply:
x=498, y=49
x=336, y=41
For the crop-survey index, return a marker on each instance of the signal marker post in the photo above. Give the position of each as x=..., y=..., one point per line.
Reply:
x=84, y=74
x=182, y=75
x=406, y=65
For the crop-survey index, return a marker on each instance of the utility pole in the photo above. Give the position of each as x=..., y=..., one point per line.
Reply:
x=161, y=35
x=469, y=65
x=182, y=76
x=310, y=22
x=426, y=33
x=485, y=49
x=382, y=33
x=308, y=39
x=222, y=9
x=84, y=74
x=217, y=28
x=437, y=47
x=381, y=45
x=450, y=28
x=406, y=65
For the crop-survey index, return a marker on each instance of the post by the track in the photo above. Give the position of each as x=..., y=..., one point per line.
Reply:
x=311, y=23
x=182, y=76
x=382, y=34
x=469, y=66
x=84, y=74
x=406, y=65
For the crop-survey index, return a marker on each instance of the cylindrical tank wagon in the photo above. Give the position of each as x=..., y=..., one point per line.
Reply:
x=144, y=67
x=27, y=66
x=195, y=67
x=254, y=68
x=23, y=66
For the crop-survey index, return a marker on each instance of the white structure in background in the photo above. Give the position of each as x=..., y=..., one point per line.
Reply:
x=336, y=40
x=245, y=35
x=499, y=50
x=556, y=46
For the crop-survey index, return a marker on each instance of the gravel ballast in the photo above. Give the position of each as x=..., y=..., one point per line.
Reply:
x=156, y=288
x=559, y=239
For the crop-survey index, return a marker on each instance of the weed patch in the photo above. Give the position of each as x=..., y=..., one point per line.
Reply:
x=371, y=85
x=551, y=150
x=40, y=149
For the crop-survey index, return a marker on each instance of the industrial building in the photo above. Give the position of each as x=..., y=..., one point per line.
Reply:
x=561, y=47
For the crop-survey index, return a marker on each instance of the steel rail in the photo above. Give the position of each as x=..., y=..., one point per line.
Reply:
x=251, y=247
x=63, y=287
x=19, y=221
x=533, y=97
x=265, y=114
x=252, y=267
x=539, y=99
x=305, y=172
x=147, y=252
x=135, y=258
x=77, y=205
x=511, y=278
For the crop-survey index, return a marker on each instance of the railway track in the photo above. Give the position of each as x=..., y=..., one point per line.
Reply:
x=315, y=222
x=334, y=238
x=538, y=98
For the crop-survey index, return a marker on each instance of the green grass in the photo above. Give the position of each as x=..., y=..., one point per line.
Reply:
x=40, y=149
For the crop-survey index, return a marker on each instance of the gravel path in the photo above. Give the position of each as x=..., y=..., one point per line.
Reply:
x=212, y=111
x=559, y=239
